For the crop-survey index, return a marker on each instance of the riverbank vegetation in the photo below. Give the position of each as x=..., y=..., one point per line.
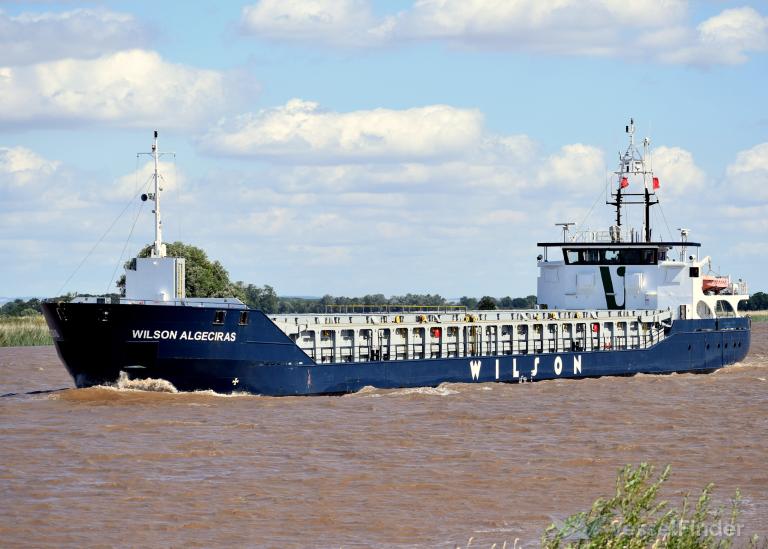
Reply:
x=635, y=517
x=758, y=316
x=756, y=302
x=18, y=331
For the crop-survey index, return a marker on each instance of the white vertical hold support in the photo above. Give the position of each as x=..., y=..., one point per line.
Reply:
x=497, y=368
x=336, y=347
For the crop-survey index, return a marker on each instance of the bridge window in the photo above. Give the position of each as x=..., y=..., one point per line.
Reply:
x=610, y=256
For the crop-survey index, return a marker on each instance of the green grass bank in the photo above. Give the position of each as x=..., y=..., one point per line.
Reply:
x=758, y=316
x=20, y=331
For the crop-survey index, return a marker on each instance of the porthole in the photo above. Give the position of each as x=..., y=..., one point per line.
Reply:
x=707, y=346
x=243, y=317
x=689, y=347
x=726, y=345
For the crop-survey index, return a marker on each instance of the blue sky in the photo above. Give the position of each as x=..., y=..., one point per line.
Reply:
x=348, y=147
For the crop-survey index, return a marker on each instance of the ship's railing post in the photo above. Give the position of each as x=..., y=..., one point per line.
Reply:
x=336, y=348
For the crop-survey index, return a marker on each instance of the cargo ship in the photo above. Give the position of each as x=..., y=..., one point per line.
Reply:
x=610, y=303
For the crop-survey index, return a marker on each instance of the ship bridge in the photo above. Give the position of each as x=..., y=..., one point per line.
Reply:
x=634, y=275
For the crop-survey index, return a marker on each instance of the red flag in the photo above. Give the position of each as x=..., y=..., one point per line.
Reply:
x=624, y=182
x=656, y=183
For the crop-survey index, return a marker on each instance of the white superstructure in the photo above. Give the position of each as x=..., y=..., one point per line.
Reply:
x=626, y=269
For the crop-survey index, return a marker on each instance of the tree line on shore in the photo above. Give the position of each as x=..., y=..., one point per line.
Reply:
x=266, y=299
x=206, y=278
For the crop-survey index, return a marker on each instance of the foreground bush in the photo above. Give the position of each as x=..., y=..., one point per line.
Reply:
x=634, y=518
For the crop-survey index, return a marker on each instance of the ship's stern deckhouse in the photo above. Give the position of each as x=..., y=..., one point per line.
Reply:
x=625, y=268
x=635, y=276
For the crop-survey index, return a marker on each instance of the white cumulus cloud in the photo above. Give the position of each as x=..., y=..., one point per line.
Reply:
x=135, y=88
x=561, y=26
x=20, y=166
x=35, y=37
x=302, y=130
x=576, y=168
x=747, y=177
x=340, y=22
x=725, y=38
x=660, y=30
x=677, y=171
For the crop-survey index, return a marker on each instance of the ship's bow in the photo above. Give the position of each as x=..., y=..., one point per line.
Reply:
x=81, y=334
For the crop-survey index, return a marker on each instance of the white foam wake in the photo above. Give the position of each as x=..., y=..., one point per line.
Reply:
x=148, y=384
x=440, y=390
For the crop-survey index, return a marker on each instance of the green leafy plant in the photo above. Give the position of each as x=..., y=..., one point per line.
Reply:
x=635, y=518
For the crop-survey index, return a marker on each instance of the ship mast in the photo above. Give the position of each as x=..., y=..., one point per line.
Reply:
x=158, y=248
x=632, y=163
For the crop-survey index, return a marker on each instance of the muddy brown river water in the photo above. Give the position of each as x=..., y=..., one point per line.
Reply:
x=397, y=468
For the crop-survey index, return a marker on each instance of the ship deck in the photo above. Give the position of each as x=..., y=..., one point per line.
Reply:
x=429, y=334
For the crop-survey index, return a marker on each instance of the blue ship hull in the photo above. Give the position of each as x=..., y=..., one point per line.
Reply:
x=97, y=342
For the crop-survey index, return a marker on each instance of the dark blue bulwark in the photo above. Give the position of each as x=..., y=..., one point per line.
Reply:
x=184, y=346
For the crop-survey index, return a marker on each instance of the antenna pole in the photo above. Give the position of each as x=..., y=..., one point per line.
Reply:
x=647, y=215
x=158, y=250
x=647, y=156
x=566, y=227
